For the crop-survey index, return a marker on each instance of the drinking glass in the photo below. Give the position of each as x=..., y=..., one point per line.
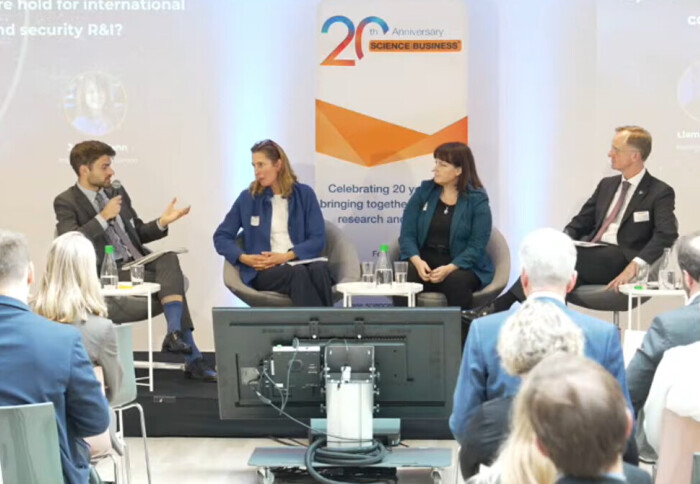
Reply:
x=400, y=272
x=136, y=273
x=368, y=272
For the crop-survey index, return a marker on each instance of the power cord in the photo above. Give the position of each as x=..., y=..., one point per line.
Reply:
x=350, y=457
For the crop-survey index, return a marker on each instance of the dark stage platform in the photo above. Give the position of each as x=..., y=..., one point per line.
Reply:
x=179, y=407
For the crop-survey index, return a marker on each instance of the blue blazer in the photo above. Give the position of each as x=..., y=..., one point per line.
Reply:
x=482, y=378
x=254, y=215
x=469, y=233
x=44, y=361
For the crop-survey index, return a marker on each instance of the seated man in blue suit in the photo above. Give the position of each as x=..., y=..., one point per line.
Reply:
x=548, y=259
x=44, y=361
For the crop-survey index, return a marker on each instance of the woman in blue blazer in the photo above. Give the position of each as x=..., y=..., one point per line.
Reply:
x=446, y=226
x=280, y=220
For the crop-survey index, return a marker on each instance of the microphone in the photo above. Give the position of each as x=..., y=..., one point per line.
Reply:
x=116, y=187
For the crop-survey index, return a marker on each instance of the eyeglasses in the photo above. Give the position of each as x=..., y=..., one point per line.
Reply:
x=617, y=150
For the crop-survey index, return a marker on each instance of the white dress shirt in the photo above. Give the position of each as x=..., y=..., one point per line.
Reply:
x=279, y=228
x=675, y=387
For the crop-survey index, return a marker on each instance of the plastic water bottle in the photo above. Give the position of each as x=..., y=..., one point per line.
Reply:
x=109, y=275
x=383, y=271
x=666, y=273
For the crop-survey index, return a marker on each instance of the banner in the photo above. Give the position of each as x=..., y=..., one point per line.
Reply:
x=392, y=86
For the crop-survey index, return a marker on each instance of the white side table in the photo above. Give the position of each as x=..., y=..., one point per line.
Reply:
x=145, y=290
x=405, y=289
x=633, y=293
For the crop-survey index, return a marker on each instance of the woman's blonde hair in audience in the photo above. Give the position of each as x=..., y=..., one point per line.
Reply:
x=69, y=291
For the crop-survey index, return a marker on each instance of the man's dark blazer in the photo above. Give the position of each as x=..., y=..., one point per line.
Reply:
x=633, y=475
x=646, y=239
x=675, y=328
x=43, y=361
x=75, y=212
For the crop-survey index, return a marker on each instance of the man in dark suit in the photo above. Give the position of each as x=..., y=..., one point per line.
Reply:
x=581, y=421
x=43, y=361
x=679, y=327
x=630, y=216
x=548, y=258
x=106, y=217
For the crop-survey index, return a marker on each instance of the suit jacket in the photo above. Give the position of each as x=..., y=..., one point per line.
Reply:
x=44, y=361
x=100, y=341
x=75, y=212
x=482, y=378
x=470, y=230
x=676, y=328
x=487, y=429
x=253, y=216
x=633, y=475
x=644, y=239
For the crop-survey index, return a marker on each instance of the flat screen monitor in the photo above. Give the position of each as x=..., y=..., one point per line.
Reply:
x=278, y=353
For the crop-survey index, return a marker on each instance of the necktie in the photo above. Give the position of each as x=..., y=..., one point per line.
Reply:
x=123, y=247
x=615, y=212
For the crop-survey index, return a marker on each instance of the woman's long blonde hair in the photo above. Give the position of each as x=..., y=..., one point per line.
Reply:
x=286, y=177
x=69, y=291
x=520, y=461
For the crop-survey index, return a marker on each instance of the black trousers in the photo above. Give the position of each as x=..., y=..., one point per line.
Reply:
x=458, y=287
x=166, y=271
x=308, y=285
x=595, y=265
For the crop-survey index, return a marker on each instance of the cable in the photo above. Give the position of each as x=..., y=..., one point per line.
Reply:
x=295, y=344
x=355, y=457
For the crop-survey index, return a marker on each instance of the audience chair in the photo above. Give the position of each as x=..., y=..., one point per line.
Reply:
x=343, y=262
x=678, y=445
x=497, y=249
x=29, y=450
x=695, y=478
x=125, y=399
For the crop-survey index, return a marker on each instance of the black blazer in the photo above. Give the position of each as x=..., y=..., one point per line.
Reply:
x=75, y=212
x=633, y=475
x=644, y=239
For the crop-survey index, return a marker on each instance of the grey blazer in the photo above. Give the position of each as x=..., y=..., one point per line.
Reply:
x=100, y=341
x=676, y=328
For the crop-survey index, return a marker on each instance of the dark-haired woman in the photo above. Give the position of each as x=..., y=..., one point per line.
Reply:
x=446, y=226
x=281, y=221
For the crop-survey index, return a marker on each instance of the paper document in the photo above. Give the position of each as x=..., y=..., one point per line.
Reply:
x=151, y=257
x=581, y=243
x=307, y=261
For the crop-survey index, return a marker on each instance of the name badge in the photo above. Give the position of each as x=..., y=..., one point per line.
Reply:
x=254, y=221
x=641, y=216
x=425, y=207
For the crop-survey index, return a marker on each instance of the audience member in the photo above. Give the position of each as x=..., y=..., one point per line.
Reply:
x=581, y=420
x=43, y=361
x=675, y=328
x=539, y=328
x=280, y=220
x=675, y=388
x=69, y=293
x=548, y=258
x=106, y=216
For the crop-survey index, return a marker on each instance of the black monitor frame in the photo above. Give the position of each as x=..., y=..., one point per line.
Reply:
x=430, y=338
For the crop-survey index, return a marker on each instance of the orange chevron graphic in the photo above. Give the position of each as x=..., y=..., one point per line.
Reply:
x=364, y=140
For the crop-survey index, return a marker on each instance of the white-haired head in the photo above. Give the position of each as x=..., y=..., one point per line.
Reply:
x=548, y=262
